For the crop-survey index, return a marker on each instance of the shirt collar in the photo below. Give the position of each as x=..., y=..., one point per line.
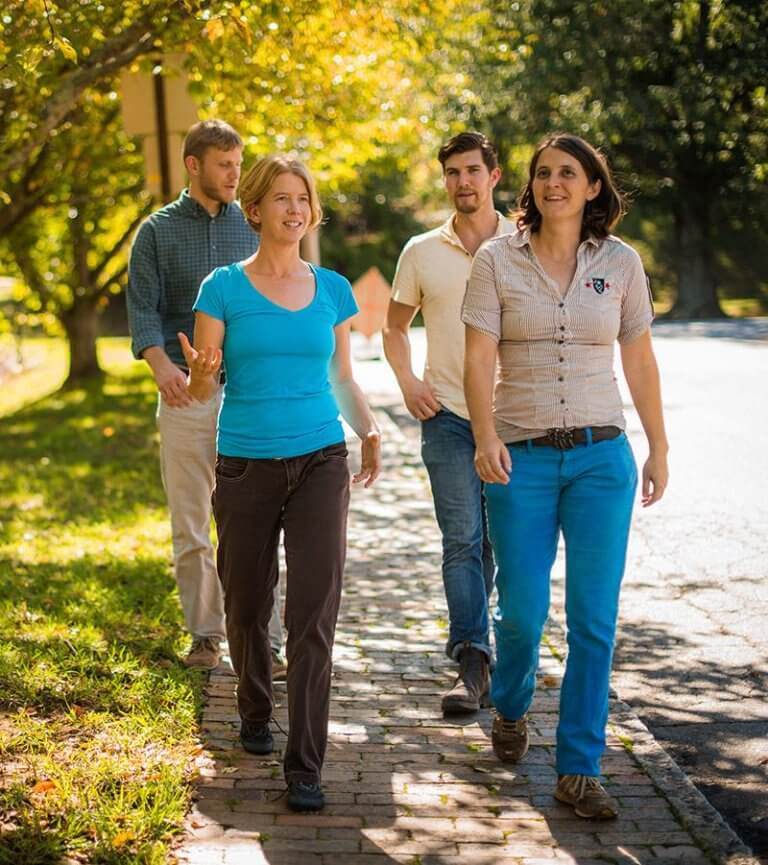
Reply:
x=522, y=237
x=195, y=210
x=448, y=231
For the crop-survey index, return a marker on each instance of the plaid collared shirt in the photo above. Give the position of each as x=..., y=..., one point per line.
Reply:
x=174, y=250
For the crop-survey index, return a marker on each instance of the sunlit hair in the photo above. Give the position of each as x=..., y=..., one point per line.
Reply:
x=209, y=133
x=260, y=177
x=602, y=214
x=466, y=142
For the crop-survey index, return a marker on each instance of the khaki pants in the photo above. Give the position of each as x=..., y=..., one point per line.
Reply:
x=187, y=466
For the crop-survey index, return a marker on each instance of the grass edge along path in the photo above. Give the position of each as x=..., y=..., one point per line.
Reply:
x=98, y=720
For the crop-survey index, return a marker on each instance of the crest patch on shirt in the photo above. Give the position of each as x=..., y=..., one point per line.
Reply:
x=599, y=284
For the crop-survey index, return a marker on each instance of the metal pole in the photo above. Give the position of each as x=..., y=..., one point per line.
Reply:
x=162, y=134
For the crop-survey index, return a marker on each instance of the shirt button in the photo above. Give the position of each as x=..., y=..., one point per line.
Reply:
x=561, y=341
x=560, y=359
x=561, y=305
x=562, y=401
x=560, y=378
x=562, y=327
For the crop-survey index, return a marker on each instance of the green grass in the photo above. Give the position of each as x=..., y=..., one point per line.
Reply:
x=97, y=718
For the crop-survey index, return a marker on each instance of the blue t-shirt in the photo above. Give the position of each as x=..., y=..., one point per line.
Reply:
x=278, y=400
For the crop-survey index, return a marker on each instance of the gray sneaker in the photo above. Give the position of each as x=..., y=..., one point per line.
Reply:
x=205, y=654
x=510, y=738
x=588, y=797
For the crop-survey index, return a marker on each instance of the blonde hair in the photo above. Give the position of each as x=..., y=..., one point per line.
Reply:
x=260, y=177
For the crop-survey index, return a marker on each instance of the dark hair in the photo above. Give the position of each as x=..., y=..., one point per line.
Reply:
x=601, y=214
x=209, y=133
x=464, y=142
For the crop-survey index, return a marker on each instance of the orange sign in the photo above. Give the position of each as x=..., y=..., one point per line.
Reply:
x=372, y=293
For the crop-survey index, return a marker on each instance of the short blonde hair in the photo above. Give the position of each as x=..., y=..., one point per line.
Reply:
x=260, y=177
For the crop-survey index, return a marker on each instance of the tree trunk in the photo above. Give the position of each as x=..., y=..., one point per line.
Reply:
x=81, y=326
x=696, y=283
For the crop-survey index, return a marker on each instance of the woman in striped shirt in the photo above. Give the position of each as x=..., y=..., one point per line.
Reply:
x=548, y=303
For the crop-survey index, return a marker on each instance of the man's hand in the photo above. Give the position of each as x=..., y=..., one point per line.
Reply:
x=171, y=382
x=420, y=399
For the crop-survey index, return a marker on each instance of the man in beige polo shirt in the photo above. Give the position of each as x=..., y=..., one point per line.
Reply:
x=431, y=275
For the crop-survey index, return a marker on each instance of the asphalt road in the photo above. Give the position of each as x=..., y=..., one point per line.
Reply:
x=692, y=651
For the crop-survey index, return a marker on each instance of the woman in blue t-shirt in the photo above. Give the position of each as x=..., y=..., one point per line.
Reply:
x=281, y=328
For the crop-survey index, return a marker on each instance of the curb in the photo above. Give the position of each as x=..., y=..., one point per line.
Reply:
x=704, y=822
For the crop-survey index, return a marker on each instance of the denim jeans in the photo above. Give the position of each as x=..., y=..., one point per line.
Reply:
x=587, y=493
x=448, y=451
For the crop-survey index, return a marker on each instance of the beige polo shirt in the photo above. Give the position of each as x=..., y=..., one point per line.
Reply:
x=556, y=352
x=432, y=275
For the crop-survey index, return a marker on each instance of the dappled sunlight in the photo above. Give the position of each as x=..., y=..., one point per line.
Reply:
x=402, y=781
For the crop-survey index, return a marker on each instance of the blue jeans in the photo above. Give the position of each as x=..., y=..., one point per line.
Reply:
x=448, y=451
x=587, y=493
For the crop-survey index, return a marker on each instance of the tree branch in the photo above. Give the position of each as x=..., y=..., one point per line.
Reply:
x=136, y=40
x=109, y=256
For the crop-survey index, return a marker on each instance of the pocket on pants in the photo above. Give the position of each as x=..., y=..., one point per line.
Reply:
x=231, y=468
x=337, y=451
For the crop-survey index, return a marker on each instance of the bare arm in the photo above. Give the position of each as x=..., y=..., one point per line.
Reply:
x=354, y=407
x=492, y=460
x=419, y=398
x=642, y=374
x=204, y=360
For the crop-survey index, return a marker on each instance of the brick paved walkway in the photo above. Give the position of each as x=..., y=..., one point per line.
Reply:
x=405, y=785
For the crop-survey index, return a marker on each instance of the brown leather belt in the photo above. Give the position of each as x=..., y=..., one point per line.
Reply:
x=564, y=438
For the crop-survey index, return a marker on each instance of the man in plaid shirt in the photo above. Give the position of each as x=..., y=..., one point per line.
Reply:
x=173, y=251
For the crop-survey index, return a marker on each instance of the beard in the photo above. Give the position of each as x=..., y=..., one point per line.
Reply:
x=210, y=190
x=469, y=204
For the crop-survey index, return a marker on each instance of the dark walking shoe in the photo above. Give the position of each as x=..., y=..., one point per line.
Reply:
x=510, y=738
x=303, y=796
x=256, y=737
x=588, y=797
x=470, y=690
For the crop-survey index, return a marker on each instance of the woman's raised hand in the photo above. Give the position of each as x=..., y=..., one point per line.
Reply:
x=201, y=364
x=370, y=459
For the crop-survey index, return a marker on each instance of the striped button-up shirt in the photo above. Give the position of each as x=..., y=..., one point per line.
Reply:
x=556, y=351
x=173, y=251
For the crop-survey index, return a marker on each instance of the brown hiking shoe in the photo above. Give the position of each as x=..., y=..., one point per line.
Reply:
x=470, y=690
x=588, y=797
x=510, y=738
x=205, y=654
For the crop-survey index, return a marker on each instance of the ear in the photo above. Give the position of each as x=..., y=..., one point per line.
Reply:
x=192, y=164
x=252, y=212
x=594, y=189
x=495, y=177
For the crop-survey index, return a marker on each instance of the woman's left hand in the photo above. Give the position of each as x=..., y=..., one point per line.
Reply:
x=370, y=459
x=655, y=479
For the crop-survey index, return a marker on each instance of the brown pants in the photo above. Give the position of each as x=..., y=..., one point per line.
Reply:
x=308, y=498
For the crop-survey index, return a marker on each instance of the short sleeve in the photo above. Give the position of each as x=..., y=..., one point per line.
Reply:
x=637, y=303
x=406, y=288
x=346, y=305
x=481, y=308
x=210, y=298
